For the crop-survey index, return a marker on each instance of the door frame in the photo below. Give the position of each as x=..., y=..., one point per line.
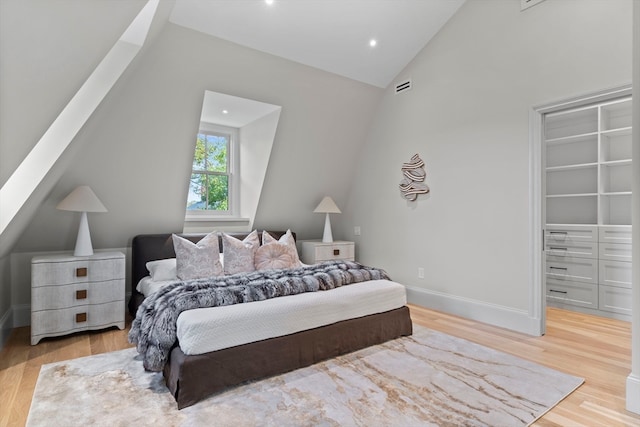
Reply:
x=537, y=211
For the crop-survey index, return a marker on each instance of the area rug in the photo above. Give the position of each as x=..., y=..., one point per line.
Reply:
x=428, y=379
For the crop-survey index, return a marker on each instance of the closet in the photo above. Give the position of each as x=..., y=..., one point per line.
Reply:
x=587, y=207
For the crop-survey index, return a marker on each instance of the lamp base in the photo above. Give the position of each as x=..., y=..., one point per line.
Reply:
x=83, y=241
x=327, y=237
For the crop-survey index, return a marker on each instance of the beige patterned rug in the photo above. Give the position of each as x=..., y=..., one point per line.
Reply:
x=428, y=379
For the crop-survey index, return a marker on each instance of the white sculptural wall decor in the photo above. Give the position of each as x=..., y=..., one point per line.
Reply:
x=412, y=182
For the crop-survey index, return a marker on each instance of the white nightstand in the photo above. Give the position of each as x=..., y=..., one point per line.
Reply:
x=70, y=293
x=315, y=251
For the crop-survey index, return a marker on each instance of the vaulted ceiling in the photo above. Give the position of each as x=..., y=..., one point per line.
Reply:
x=332, y=35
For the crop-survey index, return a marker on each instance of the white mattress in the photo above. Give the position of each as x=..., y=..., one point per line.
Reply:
x=208, y=329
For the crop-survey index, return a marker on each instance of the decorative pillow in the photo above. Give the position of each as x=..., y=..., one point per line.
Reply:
x=286, y=239
x=239, y=255
x=163, y=269
x=196, y=261
x=276, y=255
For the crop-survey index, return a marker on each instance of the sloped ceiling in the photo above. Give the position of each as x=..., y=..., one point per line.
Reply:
x=332, y=35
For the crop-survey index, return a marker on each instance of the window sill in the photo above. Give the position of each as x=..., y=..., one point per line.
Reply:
x=202, y=218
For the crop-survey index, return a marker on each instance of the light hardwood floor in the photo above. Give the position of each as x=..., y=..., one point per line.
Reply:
x=594, y=348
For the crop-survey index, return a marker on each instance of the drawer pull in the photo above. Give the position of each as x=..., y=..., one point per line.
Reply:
x=336, y=252
x=81, y=317
x=559, y=268
x=558, y=232
x=81, y=272
x=558, y=292
x=81, y=294
x=558, y=249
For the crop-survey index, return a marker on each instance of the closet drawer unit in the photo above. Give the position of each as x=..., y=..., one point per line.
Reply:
x=585, y=249
x=615, y=234
x=615, y=252
x=615, y=299
x=556, y=234
x=572, y=269
x=615, y=273
x=573, y=293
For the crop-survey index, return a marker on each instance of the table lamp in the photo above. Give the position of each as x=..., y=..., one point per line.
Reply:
x=84, y=200
x=327, y=206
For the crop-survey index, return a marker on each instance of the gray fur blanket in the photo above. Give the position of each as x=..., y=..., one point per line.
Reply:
x=154, y=328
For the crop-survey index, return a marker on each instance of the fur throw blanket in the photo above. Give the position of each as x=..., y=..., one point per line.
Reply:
x=154, y=328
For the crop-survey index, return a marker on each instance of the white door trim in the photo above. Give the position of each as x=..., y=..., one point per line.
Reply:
x=537, y=299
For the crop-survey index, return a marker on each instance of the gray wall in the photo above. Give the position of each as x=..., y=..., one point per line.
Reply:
x=467, y=116
x=136, y=151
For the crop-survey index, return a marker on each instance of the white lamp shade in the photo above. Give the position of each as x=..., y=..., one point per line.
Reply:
x=327, y=205
x=82, y=199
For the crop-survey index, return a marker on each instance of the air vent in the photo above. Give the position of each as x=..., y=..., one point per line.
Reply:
x=403, y=86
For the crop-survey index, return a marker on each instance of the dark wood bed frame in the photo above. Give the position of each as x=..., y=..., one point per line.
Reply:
x=193, y=378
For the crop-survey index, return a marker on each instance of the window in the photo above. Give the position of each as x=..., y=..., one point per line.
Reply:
x=211, y=188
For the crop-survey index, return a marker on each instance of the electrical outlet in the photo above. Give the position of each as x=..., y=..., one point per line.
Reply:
x=420, y=273
x=356, y=230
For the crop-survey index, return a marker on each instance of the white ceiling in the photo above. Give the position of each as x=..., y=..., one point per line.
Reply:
x=239, y=111
x=332, y=35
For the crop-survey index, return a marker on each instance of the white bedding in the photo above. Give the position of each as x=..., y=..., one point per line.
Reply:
x=210, y=329
x=146, y=286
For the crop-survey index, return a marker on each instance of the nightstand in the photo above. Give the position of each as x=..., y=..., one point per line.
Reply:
x=71, y=294
x=315, y=251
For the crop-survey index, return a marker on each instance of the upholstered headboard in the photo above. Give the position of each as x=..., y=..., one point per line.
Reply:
x=151, y=247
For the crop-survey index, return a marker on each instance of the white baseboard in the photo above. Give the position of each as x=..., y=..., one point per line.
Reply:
x=633, y=394
x=493, y=314
x=6, y=325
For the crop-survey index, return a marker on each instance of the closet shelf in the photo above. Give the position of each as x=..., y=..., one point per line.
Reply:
x=623, y=162
x=573, y=138
x=556, y=196
x=572, y=167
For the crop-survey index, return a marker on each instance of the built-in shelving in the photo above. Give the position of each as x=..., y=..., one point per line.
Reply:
x=587, y=197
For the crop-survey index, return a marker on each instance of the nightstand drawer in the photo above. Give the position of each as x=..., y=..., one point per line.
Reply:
x=64, y=270
x=77, y=294
x=63, y=321
x=315, y=251
x=572, y=269
x=335, y=251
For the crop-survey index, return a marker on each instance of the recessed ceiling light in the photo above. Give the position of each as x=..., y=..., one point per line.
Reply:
x=225, y=112
x=373, y=42
x=269, y=2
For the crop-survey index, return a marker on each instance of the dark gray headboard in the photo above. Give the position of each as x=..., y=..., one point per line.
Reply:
x=151, y=247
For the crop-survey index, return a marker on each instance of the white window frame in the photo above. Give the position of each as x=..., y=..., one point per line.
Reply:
x=233, y=173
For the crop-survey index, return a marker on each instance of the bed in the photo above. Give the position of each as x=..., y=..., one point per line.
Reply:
x=194, y=374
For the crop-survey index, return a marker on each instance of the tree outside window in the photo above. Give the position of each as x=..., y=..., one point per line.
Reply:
x=210, y=177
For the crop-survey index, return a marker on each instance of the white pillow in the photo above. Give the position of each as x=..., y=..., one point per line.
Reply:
x=197, y=260
x=239, y=254
x=286, y=239
x=276, y=255
x=163, y=269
